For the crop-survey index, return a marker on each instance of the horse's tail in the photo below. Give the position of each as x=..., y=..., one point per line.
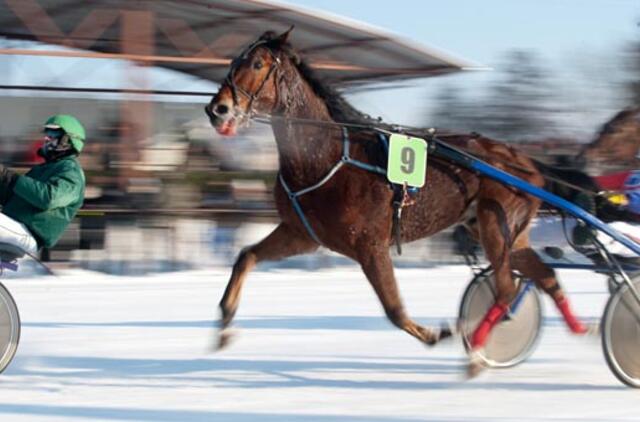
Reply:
x=577, y=187
x=573, y=185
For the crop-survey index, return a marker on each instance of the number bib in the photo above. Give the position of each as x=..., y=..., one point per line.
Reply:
x=407, y=160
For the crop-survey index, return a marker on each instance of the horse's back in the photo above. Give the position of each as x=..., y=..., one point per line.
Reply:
x=450, y=193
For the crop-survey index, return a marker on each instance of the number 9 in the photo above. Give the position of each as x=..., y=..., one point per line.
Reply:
x=408, y=158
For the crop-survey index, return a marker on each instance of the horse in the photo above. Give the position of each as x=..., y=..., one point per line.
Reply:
x=616, y=147
x=617, y=144
x=348, y=209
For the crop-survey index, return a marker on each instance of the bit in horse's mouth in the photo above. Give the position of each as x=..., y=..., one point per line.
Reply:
x=227, y=128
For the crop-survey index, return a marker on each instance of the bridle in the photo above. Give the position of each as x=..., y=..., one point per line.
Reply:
x=235, y=89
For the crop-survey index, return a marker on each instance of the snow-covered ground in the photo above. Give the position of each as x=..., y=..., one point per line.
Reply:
x=311, y=346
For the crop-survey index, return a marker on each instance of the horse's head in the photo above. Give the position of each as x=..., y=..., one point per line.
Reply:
x=251, y=86
x=618, y=142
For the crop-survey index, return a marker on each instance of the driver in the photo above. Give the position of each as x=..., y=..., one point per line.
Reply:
x=37, y=207
x=622, y=210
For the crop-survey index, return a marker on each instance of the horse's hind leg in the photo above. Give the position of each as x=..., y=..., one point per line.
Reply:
x=527, y=261
x=495, y=237
x=281, y=243
x=378, y=268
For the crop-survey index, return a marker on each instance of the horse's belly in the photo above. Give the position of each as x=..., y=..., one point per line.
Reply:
x=441, y=203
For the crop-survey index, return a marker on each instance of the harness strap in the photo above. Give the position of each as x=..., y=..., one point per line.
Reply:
x=400, y=193
x=345, y=159
x=293, y=196
x=397, y=219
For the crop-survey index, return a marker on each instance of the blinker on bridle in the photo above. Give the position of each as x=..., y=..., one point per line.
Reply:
x=235, y=89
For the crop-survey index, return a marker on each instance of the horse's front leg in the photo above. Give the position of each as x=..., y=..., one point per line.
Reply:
x=378, y=268
x=283, y=242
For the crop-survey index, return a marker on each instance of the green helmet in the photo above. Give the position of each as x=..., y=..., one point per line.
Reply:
x=71, y=127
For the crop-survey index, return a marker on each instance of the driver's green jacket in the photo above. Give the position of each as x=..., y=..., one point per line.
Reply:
x=47, y=198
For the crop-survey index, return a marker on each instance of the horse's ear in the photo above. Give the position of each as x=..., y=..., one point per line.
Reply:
x=284, y=37
x=268, y=36
x=295, y=58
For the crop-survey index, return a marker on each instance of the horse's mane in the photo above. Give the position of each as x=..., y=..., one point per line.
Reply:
x=339, y=108
x=342, y=111
x=622, y=116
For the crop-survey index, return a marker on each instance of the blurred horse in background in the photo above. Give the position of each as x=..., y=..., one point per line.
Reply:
x=617, y=145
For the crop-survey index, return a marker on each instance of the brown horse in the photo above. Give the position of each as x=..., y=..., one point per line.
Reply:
x=352, y=213
x=617, y=145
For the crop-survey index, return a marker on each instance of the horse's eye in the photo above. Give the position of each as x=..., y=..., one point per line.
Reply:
x=258, y=65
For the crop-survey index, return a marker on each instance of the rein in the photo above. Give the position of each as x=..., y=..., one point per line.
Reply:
x=413, y=131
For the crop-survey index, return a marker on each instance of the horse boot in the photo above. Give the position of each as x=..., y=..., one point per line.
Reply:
x=575, y=325
x=481, y=335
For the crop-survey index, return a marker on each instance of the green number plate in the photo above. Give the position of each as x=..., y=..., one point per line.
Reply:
x=407, y=160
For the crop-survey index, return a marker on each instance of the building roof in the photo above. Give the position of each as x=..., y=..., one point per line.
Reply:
x=200, y=36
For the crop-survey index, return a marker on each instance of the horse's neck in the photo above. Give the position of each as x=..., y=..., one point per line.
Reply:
x=306, y=151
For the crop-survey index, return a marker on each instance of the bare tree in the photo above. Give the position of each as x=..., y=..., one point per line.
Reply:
x=633, y=86
x=516, y=106
x=519, y=102
x=453, y=111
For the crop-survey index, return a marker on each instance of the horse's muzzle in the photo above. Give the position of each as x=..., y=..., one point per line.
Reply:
x=225, y=125
x=213, y=119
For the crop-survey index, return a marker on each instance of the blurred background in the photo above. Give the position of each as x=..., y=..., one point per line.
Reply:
x=165, y=192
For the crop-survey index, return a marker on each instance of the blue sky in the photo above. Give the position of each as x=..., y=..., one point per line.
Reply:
x=481, y=30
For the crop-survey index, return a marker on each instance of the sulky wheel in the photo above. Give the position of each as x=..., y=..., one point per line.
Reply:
x=9, y=328
x=513, y=339
x=14, y=262
x=621, y=334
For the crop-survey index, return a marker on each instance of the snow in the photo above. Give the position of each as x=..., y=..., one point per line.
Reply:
x=311, y=346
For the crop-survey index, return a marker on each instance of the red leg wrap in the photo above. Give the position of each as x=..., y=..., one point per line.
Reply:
x=493, y=316
x=572, y=321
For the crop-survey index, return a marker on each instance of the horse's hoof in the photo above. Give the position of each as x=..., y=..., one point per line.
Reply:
x=591, y=330
x=587, y=330
x=476, y=364
x=224, y=338
x=474, y=369
x=445, y=331
x=432, y=341
x=448, y=330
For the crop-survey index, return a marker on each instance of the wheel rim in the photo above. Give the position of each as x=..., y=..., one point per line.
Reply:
x=513, y=339
x=9, y=328
x=621, y=335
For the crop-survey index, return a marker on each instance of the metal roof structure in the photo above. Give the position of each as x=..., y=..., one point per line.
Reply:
x=200, y=37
